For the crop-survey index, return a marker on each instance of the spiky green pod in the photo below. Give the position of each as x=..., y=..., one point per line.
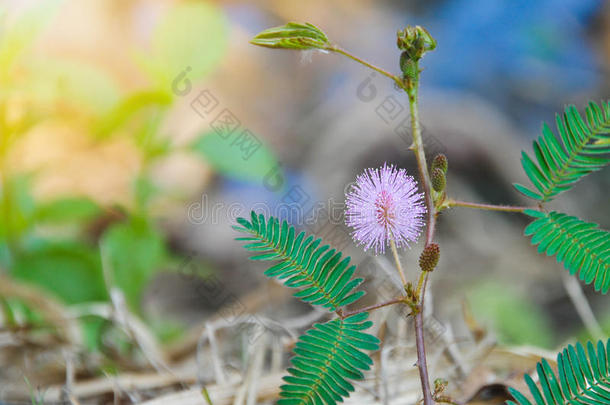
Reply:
x=440, y=162
x=438, y=180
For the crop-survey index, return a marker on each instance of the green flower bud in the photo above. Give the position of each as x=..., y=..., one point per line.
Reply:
x=438, y=180
x=415, y=41
x=440, y=162
x=429, y=257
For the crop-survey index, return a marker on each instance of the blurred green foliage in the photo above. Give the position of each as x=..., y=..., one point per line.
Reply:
x=72, y=247
x=228, y=159
x=512, y=315
x=136, y=251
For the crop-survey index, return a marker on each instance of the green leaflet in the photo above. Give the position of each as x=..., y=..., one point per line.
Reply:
x=559, y=162
x=318, y=271
x=327, y=356
x=580, y=379
x=581, y=246
x=292, y=36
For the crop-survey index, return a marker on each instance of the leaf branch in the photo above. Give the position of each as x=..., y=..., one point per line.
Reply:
x=488, y=207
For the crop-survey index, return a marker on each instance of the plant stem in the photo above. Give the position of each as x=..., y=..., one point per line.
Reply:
x=412, y=84
x=373, y=307
x=488, y=207
x=397, y=261
x=420, y=156
x=421, y=354
x=583, y=308
x=338, y=50
x=420, y=283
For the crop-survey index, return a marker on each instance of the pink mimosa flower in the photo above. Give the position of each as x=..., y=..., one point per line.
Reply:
x=384, y=204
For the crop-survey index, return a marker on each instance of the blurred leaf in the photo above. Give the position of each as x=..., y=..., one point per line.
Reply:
x=292, y=36
x=166, y=330
x=192, y=37
x=70, y=270
x=74, y=83
x=24, y=314
x=17, y=207
x=513, y=317
x=226, y=157
x=92, y=329
x=128, y=108
x=144, y=190
x=135, y=252
x=149, y=139
x=8, y=314
x=15, y=39
x=68, y=209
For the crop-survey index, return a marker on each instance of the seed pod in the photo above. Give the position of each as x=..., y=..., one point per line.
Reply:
x=429, y=257
x=440, y=161
x=438, y=180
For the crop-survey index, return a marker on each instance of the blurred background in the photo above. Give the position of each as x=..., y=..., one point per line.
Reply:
x=133, y=133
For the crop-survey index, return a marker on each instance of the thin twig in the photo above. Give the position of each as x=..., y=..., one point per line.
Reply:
x=373, y=307
x=578, y=298
x=343, y=52
x=488, y=207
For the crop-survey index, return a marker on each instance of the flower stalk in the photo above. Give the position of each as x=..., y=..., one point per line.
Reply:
x=397, y=261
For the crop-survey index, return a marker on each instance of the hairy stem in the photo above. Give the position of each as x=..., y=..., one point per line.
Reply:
x=373, y=307
x=397, y=261
x=418, y=148
x=488, y=207
x=420, y=156
x=338, y=50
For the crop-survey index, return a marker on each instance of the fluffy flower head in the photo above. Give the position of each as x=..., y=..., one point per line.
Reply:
x=384, y=204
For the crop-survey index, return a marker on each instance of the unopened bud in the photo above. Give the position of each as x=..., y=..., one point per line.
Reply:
x=429, y=257
x=438, y=180
x=440, y=161
x=415, y=41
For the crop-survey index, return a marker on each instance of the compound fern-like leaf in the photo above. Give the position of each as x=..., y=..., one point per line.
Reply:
x=327, y=356
x=322, y=276
x=581, y=247
x=579, y=380
x=560, y=162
